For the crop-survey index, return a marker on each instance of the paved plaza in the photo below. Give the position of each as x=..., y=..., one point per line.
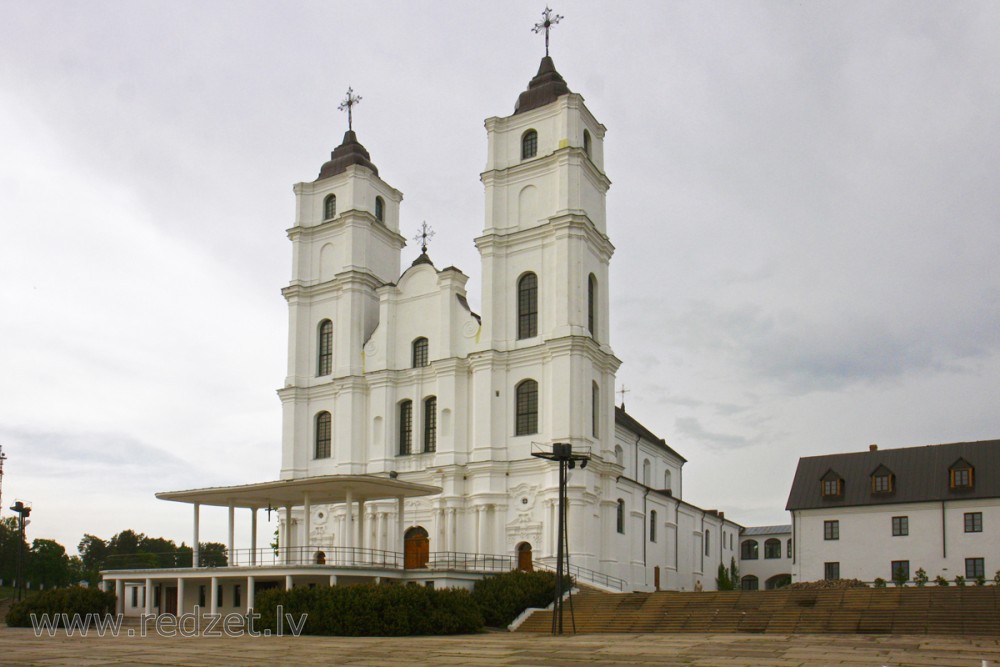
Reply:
x=20, y=647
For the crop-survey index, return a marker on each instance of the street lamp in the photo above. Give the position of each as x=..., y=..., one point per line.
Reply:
x=562, y=452
x=23, y=512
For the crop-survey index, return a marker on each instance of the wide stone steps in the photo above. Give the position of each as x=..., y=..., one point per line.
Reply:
x=970, y=610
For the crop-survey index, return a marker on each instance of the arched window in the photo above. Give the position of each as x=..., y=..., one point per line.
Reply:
x=748, y=550
x=666, y=480
x=620, y=517
x=406, y=427
x=619, y=455
x=420, y=352
x=529, y=144
x=430, y=424
x=652, y=525
x=586, y=142
x=749, y=583
x=324, y=363
x=708, y=541
x=772, y=548
x=527, y=306
x=526, y=408
x=323, y=435
x=329, y=207
x=379, y=209
x=592, y=304
x=647, y=470
x=595, y=409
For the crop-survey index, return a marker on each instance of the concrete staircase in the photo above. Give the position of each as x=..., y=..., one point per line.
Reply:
x=969, y=610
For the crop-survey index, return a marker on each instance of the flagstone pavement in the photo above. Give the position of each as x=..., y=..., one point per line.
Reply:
x=20, y=647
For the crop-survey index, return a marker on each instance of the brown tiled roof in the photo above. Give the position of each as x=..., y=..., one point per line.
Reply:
x=920, y=475
x=631, y=423
x=349, y=152
x=544, y=88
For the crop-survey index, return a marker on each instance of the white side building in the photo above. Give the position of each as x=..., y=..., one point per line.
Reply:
x=868, y=515
x=765, y=560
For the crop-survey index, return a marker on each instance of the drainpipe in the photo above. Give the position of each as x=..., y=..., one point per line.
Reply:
x=944, y=536
x=637, y=458
x=645, y=535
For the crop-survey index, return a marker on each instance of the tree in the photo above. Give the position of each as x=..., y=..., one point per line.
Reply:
x=93, y=552
x=48, y=564
x=9, y=543
x=728, y=579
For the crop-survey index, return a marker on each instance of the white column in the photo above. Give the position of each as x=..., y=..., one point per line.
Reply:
x=119, y=596
x=307, y=540
x=288, y=582
x=400, y=523
x=180, y=596
x=253, y=536
x=361, y=523
x=349, y=518
x=251, y=588
x=288, y=535
x=213, y=596
x=481, y=517
x=232, y=533
x=450, y=530
x=196, y=556
x=333, y=580
x=149, y=597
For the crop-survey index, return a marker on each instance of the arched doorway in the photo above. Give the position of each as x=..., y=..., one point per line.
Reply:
x=320, y=558
x=416, y=548
x=524, y=557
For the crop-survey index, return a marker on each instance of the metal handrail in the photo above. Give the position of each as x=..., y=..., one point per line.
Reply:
x=583, y=574
x=321, y=554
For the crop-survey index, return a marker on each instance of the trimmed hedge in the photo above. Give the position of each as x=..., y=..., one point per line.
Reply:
x=73, y=600
x=502, y=598
x=372, y=611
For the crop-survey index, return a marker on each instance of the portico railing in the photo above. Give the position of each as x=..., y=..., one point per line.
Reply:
x=317, y=555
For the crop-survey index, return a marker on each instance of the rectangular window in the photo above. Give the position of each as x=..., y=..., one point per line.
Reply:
x=975, y=568
x=135, y=595
x=900, y=570
x=831, y=530
x=201, y=596
x=218, y=598
x=831, y=487
x=900, y=526
x=652, y=526
x=973, y=522
x=406, y=427
x=595, y=409
x=961, y=478
x=430, y=425
x=831, y=571
x=236, y=596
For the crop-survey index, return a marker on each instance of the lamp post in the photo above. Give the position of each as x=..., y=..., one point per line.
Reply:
x=562, y=453
x=23, y=512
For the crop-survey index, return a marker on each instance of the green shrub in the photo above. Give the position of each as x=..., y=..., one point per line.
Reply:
x=879, y=582
x=73, y=600
x=960, y=580
x=502, y=598
x=941, y=581
x=920, y=578
x=371, y=611
x=980, y=580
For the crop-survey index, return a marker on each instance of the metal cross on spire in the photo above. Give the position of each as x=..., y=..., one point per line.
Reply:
x=548, y=20
x=623, y=391
x=423, y=235
x=348, y=104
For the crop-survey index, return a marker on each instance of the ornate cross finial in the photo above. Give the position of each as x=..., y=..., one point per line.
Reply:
x=347, y=104
x=423, y=235
x=623, y=391
x=548, y=20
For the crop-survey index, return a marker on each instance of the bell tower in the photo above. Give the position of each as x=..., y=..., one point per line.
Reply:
x=345, y=245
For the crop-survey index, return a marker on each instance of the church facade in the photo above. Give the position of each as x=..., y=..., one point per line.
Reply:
x=391, y=374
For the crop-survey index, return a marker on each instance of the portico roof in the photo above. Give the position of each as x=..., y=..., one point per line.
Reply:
x=324, y=489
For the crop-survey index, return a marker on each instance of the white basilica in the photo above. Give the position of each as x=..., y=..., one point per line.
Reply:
x=409, y=421
x=391, y=373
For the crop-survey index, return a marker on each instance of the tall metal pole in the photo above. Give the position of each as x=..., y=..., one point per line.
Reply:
x=3, y=457
x=557, y=609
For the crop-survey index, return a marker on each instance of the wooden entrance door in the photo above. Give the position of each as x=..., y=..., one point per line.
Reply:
x=524, y=557
x=416, y=548
x=170, y=601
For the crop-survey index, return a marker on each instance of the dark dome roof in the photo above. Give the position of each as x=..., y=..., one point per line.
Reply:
x=547, y=85
x=343, y=156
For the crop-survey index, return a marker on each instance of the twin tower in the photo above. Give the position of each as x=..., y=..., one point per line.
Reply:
x=391, y=371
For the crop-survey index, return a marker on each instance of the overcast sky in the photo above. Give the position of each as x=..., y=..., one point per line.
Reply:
x=805, y=208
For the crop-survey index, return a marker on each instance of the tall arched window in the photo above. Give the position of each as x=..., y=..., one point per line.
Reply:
x=527, y=306
x=430, y=424
x=619, y=455
x=323, y=435
x=620, y=517
x=420, y=353
x=748, y=550
x=592, y=304
x=406, y=427
x=529, y=144
x=329, y=207
x=379, y=209
x=708, y=542
x=586, y=142
x=772, y=548
x=647, y=470
x=526, y=408
x=324, y=362
x=652, y=525
x=595, y=410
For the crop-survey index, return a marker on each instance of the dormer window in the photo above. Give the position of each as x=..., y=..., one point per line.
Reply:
x=883, y=481
x=832, y=485
x=961, y=476
x=329, y=207
x=529, y=144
